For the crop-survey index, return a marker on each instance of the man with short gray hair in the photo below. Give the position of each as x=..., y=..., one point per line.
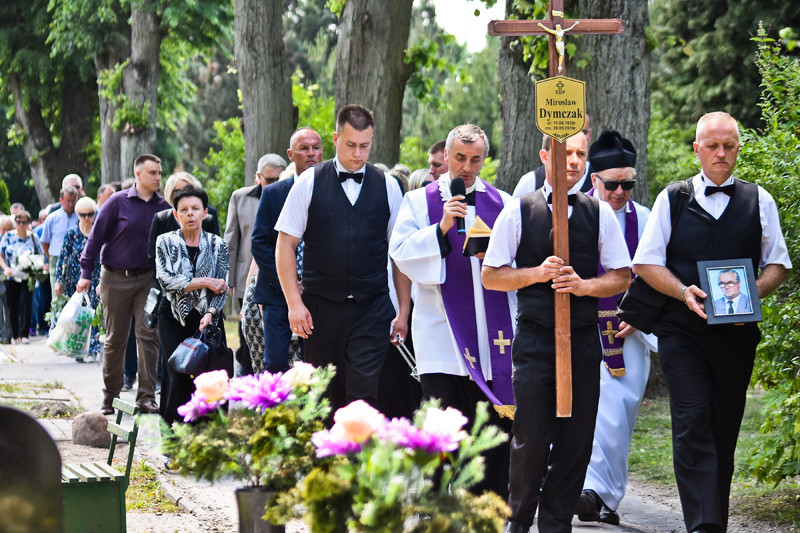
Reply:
x=238, y=229
x=55, y=228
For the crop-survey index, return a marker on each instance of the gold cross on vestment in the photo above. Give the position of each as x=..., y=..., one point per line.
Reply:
x=554, y=29
x=501, y=342
x=469, y=358
x=610, y=331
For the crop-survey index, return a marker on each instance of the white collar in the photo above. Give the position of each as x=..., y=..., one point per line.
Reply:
x=444, y=186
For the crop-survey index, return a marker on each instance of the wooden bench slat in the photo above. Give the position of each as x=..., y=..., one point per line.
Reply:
x=85, y=475
x=68, y=476
x=110, y=471
x=125, y=407
x=119, y=431
x=95, y=469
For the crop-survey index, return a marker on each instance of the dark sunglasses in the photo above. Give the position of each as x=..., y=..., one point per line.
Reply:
x=612, y=185
x=86, y=215
x=18, y=221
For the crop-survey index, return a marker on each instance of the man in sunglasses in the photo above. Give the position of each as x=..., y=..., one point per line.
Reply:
x=626, y=351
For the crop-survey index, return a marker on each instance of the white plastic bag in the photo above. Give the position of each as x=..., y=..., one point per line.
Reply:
x=74, y=327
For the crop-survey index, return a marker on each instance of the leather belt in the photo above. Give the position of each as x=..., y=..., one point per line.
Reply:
x=127, y=273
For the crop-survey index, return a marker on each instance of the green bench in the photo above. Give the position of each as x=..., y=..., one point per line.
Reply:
x=94, y=493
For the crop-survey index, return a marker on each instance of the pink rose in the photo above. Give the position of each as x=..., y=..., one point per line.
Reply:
x=356, y=422
x=212, y=385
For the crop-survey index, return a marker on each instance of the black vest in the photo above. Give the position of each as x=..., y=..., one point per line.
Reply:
x=535, y=303
x=346, y=250
x=698, y=237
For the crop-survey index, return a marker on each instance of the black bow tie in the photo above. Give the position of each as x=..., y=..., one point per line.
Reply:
x=728, y=189
x=344, y=176
x=570, y=199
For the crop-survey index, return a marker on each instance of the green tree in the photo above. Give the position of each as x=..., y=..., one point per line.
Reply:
x=704, y=60
x=770, y=157
x=52, y=96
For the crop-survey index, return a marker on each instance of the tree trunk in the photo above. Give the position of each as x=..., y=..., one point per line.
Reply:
x=50, y=164
x=521, y=138
x=140, y=82
x=370, y=69
x=110, y=139
x=618, y=78
x=264, y=79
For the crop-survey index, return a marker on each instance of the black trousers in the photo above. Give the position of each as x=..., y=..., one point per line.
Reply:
x=176, y=388
x=20, y=300
x=463, y=394
x=707, y=377
x=544, y=446
x=353, y=336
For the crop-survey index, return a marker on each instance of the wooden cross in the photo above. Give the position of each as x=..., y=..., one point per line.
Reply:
x=501, y=342
x=554, y=29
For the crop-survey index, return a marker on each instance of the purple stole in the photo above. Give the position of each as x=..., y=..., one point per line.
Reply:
x=607, y=319
x=459, y=303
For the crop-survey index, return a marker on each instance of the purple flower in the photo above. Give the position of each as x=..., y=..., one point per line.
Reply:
x=441, y=431
x=259, y=392
x=197, y=407
x=333, y=443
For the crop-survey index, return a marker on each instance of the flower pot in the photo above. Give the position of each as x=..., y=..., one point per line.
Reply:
x=252, y=502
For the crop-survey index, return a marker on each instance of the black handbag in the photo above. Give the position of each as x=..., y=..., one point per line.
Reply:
x=191, y=355
x=220, y=357
x=641, y=305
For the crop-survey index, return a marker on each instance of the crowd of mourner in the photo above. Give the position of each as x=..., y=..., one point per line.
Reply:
x=341, y=261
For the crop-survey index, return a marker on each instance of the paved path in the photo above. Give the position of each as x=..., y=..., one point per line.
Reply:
x=640, y=511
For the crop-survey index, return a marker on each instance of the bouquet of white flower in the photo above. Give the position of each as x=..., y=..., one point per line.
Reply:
x=29, y=267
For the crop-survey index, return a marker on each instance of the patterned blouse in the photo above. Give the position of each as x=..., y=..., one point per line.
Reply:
x=12, y=246
x=68, y=271
x=174, y=271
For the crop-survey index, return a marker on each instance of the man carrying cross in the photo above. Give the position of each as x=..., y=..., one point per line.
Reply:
x=543, y=445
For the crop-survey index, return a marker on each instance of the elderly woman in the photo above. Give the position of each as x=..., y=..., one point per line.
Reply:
x=68, y=269
x=191, y=266
x=18, y=295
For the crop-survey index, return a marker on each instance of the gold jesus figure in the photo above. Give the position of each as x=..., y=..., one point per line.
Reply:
x=559, y=33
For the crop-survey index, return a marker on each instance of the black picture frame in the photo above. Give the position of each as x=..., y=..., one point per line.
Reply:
x=739, y=275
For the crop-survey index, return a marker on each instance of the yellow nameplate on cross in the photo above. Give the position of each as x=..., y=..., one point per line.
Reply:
x=560, y=107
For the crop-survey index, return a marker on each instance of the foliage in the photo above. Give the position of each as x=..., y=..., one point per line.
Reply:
x=703, y=60
x=670, y=156
x=771, y=157
x=413, y=153
x=382, y=479
x=5, y=205
x=227, y=166
x=315, y=110
x=264, y=438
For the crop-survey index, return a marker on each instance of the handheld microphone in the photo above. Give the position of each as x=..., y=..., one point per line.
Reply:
x=457, y=187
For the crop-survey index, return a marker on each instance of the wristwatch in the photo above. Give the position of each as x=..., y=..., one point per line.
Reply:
x=212, y=313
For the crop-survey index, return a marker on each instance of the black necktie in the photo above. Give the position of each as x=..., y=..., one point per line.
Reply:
x=570, y=199
x=728, y=189
x=344, y=176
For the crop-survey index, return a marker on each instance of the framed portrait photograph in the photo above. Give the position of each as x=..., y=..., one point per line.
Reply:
x=731, y=288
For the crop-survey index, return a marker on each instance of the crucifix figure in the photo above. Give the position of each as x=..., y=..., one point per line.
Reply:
x=553, y=28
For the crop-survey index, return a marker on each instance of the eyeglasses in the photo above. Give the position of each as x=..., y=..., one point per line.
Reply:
x=724, y=284
x=270, y=181
x=611, y=185
x=18, y=221
x=86, y=215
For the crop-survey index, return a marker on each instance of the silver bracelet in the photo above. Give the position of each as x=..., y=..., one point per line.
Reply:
x=683, y=292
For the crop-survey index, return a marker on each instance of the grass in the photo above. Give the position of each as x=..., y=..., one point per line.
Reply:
x=650, y=460
x=144, y=493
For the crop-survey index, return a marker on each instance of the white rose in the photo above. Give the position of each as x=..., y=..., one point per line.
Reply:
x=299, y=374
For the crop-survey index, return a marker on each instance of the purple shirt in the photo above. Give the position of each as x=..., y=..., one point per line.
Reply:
x=121, y=232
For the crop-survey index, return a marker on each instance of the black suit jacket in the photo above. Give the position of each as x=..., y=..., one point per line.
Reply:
x=268, y=288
